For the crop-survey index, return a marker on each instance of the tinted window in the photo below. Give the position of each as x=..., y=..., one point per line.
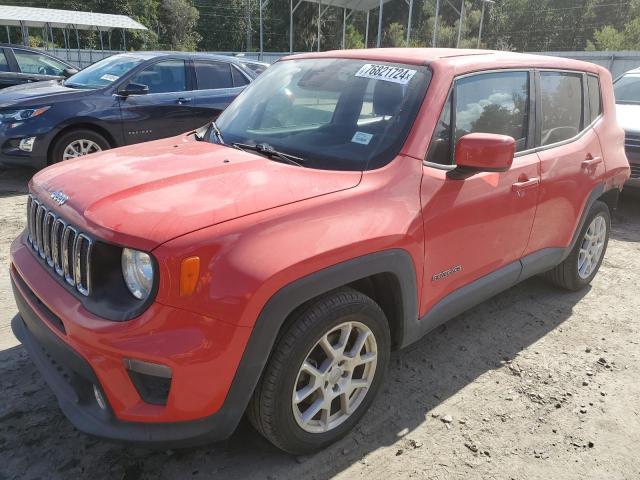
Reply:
x=627, y=89
x=32, y=62
x=4, y=66
x=256, y=67
x=239, y=80
x=493, y=103
x=561, y=106
x=440, y=145
x=595, y=105
x=213, y=75
x=163, y=77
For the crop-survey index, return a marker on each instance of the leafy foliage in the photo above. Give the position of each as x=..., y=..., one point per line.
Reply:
x=233, y=25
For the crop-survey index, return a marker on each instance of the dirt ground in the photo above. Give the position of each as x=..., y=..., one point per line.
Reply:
x=532, y=384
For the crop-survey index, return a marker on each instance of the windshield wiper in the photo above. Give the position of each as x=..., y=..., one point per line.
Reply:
x=268, y=150
x=216, y=132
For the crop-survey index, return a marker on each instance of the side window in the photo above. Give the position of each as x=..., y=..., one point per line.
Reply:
x=163, y=77
x=239, y=80
x=493, y=103
x=4, y=65
x=440, y=145
x=560, y=105
x=212, y=75
x=37, y=63
x=595, y=103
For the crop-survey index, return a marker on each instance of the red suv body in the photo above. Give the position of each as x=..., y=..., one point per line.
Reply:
x=482, y=169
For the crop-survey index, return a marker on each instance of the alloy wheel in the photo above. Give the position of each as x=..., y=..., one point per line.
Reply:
x=80, y=148
x=592, y=246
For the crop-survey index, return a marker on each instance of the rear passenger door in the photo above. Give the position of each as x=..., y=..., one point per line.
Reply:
x=570, y=154
x=217, y=84
x=480, y=224
x=166, y=110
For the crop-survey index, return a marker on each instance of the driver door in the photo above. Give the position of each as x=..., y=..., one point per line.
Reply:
x=166, y=110
x=479, y=224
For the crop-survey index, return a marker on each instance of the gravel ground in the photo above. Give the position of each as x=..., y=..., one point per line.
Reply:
x=532, y=384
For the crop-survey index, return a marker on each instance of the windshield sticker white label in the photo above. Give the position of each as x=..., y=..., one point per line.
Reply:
x=109, y=78
x=362, y=138
x=387, y=73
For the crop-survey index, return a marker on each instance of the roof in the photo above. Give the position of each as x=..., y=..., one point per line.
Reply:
x=458, y=58
x=361, y=5
x=39, y=17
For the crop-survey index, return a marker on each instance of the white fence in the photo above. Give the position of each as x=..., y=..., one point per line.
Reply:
x=616, y=62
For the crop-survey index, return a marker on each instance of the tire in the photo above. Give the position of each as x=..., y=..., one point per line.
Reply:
x=568, y=274
x=81, y=135
x=273, y=411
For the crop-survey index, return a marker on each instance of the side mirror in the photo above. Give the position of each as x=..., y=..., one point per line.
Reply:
x=484, y=152
x=133, y=89
x=67, y=72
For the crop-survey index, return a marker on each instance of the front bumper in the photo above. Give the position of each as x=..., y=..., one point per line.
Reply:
x=75, y=352
x=11, y=155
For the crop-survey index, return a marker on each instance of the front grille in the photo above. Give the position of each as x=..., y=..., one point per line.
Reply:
x=635, y=170
x=60, y=246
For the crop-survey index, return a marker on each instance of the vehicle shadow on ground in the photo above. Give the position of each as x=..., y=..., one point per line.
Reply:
x=37, y=441
x=14, y=181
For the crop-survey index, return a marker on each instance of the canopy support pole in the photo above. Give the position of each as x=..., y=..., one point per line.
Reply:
x=319, y=17
x=366, y=32
x=461, y=22
x=101, y=42
x=434, y=40
x=291, y=12
x=8, y=35
x=344, y=25
x=409, y=22
x=124, y=39
x=78, y=43
x=379, y=25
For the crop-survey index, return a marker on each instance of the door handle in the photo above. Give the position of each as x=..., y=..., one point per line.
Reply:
x=520, y=187
x=183, y=100
x=591, y=162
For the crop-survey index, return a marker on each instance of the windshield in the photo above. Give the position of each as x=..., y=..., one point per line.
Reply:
x=335, y=114
x=627, y=89
x=104, y=72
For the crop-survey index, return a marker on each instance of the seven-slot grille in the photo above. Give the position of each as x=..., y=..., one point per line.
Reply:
x=632, y=146
x=61, y=246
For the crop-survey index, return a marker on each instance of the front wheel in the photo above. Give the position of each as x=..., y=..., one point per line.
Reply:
x=323, y=374
x=584, y=261
x=77, y=143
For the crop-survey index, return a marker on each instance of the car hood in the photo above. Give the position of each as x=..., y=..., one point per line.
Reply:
x=628, y=117
x=147, y=194
x=37, y=92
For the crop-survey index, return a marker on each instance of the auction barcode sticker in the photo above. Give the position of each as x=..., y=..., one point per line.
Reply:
x=385, y=72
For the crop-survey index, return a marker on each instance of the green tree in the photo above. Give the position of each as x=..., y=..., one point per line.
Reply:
x=178, y=20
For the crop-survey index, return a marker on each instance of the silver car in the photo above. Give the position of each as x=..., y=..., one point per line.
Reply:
x=627, y=93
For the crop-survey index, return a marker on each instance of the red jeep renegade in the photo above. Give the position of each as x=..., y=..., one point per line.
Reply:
x=344, y=205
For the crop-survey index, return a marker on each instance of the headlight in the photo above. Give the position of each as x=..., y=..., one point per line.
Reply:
x=23, y=114
x=137, y=270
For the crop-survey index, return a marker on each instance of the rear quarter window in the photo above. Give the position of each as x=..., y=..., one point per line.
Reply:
x=595, y=102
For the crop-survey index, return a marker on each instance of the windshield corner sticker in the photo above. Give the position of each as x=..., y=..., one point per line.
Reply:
x=387, y=73
x=362, y=138
x=109, y=78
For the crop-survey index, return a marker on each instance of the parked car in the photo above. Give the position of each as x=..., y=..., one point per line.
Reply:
x=19, y=65
x=627, y=93
x=254, y=65
x=344, y=205
x=120, y=100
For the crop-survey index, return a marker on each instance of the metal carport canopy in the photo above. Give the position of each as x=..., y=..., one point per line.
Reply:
x=53, y=18
x=349, y=6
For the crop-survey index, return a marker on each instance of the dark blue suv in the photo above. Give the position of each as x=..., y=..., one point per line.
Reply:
x=121, y=100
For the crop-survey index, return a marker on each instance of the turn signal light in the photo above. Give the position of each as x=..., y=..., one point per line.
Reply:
x=189, y=274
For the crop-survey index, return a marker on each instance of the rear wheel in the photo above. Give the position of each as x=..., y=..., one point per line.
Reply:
x=323, y=374
x=77, y=143
x=584, y=261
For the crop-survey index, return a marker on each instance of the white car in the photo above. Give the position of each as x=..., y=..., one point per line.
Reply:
x=627, y=92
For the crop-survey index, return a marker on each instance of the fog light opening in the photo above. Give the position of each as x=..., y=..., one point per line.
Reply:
x=99, y=398
x=26, y=144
